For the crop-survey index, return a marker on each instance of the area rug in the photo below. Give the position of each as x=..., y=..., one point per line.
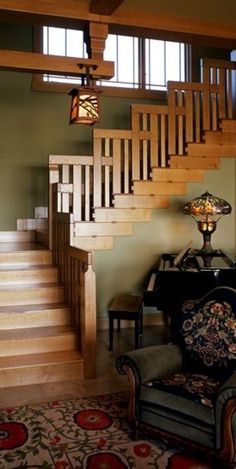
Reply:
x=89, y=432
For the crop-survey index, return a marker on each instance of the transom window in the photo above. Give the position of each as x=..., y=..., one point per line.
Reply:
x=140, y=63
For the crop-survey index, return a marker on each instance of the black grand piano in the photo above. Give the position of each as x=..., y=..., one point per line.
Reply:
x=177, y=278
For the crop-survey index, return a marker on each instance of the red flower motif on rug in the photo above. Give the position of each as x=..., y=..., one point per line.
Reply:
x=143, y=450
x=12, y=435
x=88, y=432
x=93, y=419
x=105, y=460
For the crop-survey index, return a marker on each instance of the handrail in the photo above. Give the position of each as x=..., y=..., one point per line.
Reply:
x=76, y=273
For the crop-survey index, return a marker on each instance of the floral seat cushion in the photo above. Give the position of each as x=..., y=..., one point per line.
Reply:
x=208, y=331
x=196, y=387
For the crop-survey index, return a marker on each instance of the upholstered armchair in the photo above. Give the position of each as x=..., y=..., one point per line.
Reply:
x=187, y=388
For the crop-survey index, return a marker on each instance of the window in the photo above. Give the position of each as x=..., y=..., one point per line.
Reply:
x=140, y=63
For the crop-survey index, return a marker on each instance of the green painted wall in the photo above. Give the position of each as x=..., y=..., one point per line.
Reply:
x=35, y=124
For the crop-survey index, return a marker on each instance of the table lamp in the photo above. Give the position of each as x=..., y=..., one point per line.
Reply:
x=207, y=210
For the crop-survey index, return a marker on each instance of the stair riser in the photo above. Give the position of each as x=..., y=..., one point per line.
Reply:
x=41, y=374
x=26, y=258
x=60, y=317
x=122, y=215
x=28, y=276
x=25, y=346
x=195, y=162
x=222, y=138
x=32, y=296
x=212, y=150
x=17, y=236
x=139, y=201
x=159, y=188
x=182, y=175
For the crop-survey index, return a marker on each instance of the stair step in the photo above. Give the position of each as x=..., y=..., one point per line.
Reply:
x=188, y=162
x=103, y=229
x=159, y=188
x=31, y=294
x=140, y=201
x=179, y=175
x=121, y=215
x=32, y=224
x=17, y=236
x=35, y=274
x=228, y=125
x=93, y=243
x=220, y=138
x=41, y=368
x=25, y=257
x=37, y=340
x=212, y=150
x=43, y=315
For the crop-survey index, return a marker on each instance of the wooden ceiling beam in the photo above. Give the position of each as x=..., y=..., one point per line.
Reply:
x=104, y=7
x=75, y=13
x=41, y=63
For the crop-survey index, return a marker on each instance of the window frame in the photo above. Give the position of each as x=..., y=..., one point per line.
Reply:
x=38, y=84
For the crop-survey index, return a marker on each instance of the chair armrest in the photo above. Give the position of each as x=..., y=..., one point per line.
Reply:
x=225, y=413
x=151, y=362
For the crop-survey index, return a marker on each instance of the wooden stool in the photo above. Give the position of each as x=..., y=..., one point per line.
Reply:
x=129, y=307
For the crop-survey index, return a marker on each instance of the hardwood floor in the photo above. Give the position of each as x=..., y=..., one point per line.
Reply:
x=108, y=380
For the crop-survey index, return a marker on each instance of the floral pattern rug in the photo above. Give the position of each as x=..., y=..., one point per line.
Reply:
x=89, y=433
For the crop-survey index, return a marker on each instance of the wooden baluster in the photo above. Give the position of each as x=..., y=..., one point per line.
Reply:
x=65, y=196
x=77, y=193
x=197, y=121
x=189, y=120
x=97, y=176
x=163, y=141
x=154, y=140
x=116, y=166
x=87, y=192
x=126, y=167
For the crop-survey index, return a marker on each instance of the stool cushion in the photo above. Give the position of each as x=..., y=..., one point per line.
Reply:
x=129, y=303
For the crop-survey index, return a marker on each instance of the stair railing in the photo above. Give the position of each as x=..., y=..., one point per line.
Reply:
x=76, y=274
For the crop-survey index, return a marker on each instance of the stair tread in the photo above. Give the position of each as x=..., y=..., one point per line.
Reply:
x=20, y=247
x=26, y=268
x=31, y=332
x=16, y=361
x=28, y=286
x=11, y=309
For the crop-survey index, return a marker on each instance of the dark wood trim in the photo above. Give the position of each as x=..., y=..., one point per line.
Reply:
x=104, y=7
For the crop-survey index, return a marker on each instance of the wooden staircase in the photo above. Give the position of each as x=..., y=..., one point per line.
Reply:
x=132, y=172
x=48, y=298
x=37, y=340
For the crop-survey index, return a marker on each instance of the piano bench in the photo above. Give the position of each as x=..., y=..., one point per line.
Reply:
x=130, y=308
